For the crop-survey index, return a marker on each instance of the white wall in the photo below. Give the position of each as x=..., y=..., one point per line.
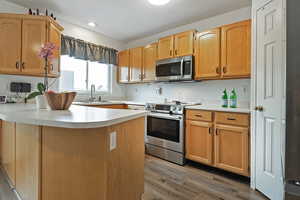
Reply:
x=90, y=36
x=213, y=22
x=71, y=30
x=206, y=91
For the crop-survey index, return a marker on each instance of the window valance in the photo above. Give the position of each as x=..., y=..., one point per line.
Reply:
x=87, y=51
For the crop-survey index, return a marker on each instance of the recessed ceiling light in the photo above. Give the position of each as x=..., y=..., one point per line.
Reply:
x=159, y=2
x=92, y=24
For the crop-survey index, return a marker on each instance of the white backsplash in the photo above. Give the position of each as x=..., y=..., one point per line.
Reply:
x=209, y=92
x=5, y=81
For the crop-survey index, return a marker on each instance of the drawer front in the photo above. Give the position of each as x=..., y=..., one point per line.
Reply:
x=199, y=115
x=232, y=118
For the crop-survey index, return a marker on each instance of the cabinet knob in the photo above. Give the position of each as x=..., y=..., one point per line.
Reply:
x=170, y=52
x=17, y=65
x=218, y=70
x=217, y=131
x=259, y=108
x=224, y=69
x=23, y=65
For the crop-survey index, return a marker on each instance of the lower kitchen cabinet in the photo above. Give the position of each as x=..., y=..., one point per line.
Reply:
x=8, y=150
x=28, y=158
x=232, y=148
x=199, y=141
x=221, y=140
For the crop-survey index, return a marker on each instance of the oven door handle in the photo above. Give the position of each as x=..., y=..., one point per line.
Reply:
x=165, y=116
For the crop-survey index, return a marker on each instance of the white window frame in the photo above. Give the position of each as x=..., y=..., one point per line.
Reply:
x=88, y=90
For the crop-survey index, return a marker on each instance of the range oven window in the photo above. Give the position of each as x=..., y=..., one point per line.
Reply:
x=163, y=128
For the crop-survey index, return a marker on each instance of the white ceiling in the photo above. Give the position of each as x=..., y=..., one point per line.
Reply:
x=128, y=20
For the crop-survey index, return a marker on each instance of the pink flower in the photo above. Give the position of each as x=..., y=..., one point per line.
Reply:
x=47, y=51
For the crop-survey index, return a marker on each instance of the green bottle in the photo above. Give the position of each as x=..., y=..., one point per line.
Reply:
x=225, y=99
x=233, y=99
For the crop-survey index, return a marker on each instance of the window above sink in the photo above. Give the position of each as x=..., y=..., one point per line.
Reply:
x=78, y=75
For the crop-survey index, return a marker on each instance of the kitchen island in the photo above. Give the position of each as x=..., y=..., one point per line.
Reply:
x=84, y=153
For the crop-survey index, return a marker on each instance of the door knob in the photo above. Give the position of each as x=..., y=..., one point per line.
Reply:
x=259, y=108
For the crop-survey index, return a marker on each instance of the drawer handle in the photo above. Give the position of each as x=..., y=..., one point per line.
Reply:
x=198, y=115
x=210, y=130
x=231, y=119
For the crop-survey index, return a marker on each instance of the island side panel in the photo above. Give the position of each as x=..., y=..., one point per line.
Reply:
x=126, y=161
x=8, y=150
x=74, y=163
x=28, y=161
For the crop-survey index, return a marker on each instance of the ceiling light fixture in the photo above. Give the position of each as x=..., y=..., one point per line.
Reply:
x=159, y=2
x=92, y=24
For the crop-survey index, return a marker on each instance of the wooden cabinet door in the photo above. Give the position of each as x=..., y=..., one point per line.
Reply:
x=208, y=55
x=184, y=44
x=10, y=43
x=33, y=38
x=199, y=140
x=165, y=47
x=232, y=149
x=236, y=50
x=54, y=36
x=149, y=62
x=123, y=66
x=136, y=63
x=8, y=153
x=28, y=161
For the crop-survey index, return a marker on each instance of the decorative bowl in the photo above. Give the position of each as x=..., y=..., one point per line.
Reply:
x=60, y=101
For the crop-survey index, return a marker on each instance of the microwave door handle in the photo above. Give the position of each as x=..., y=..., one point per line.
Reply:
x=181, y=67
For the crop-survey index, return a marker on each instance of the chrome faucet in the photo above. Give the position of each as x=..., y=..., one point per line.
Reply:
x=93, y=91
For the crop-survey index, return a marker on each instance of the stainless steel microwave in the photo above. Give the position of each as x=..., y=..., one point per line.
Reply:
x=175, y=69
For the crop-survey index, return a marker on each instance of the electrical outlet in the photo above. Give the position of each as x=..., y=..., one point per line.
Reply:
x=113, y=141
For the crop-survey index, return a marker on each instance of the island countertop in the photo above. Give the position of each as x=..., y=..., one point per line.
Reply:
x=75, y=117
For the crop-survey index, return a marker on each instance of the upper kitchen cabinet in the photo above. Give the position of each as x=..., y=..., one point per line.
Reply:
x=136, y=64
x=10, y=42
x=236, y=50
x=184, y=43
x=123, y=66
x=33, y=37
x=54, y=36
x=165, y=47
x=22, y=37
x=208, y=55
x=149, y=62
x=181, y=44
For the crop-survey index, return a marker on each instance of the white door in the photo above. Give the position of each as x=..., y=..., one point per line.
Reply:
x=269, y=70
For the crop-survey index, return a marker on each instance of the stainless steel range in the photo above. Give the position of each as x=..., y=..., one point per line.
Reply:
x=165, y=131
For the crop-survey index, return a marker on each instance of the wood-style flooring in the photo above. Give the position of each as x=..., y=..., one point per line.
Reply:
x=167, y=181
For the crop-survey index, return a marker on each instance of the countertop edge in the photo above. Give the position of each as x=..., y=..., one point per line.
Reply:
x=219, y=109
x=72, y=125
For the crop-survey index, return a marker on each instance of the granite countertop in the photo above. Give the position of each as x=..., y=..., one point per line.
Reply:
x=214, y=107
x=75, y=117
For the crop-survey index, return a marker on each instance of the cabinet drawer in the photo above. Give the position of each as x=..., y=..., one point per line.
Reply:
x=232, y=118
x=199, y=115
